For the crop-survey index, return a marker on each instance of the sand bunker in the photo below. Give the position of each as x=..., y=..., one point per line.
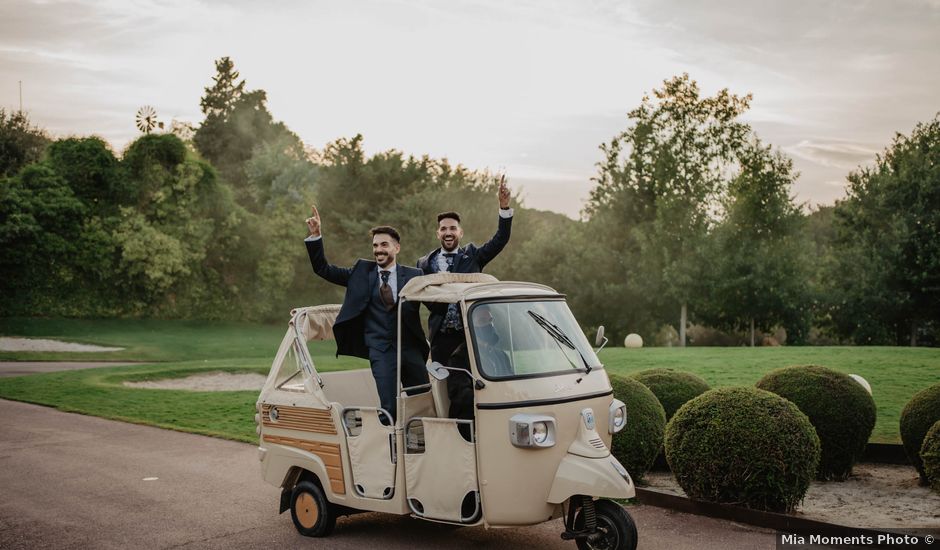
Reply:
x=213, y=381
x=876, y=496
x=38, y=344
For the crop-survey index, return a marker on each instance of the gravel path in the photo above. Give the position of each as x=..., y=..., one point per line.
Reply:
x=876, y=496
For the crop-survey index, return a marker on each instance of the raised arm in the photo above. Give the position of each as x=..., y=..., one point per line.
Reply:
x=334, y=274
x=495, y=245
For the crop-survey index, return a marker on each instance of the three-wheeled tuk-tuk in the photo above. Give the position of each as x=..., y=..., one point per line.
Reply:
x=537, y=447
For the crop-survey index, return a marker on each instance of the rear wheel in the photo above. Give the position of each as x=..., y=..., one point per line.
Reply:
x=615, y=528
x=312, y=514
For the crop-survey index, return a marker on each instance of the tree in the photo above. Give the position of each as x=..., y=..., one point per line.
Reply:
x=355, y=192
x=887, y=268
x=658, y=188
x=757, y=256
x=237, y=123
x=91, y=170
x=286, y=184
x=177, y=242
x=40, y=224
x=20, y=142
x=220, y=98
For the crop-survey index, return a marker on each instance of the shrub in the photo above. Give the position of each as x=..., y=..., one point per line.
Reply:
x=637, y=445
x=918, y=416
x=743, y=446
x=672, y=388
x=840, y=409
x=930, y=456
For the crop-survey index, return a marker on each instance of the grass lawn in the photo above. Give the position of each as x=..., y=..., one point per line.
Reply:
x=146, y=339
x=100, y=392
x=196, y=347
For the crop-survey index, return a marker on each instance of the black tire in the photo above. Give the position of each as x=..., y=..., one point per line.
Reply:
x=619, y=531
x=312, y=514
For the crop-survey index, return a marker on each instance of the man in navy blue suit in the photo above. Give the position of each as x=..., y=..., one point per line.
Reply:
x=445, y=325
x=367, y=323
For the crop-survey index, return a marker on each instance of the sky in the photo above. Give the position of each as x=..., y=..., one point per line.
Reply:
x=531, y=88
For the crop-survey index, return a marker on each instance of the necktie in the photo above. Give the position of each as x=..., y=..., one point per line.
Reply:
x=386, y=291
x=452, y=317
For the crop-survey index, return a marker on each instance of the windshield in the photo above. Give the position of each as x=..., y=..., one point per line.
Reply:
x=531, y=338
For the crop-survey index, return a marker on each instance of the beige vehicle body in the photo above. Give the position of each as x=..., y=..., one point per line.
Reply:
x=326, y=427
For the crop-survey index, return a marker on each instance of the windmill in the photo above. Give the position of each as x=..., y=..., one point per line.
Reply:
x=147, y=119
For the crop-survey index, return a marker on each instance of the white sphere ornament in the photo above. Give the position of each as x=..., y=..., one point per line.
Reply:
x=633, y=341
x=864, y=383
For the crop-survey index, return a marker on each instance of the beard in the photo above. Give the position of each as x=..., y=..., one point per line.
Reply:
x=450, y=246
x=383, y=259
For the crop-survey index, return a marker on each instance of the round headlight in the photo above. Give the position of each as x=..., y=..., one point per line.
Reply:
x=539, y=432
x=619, y=417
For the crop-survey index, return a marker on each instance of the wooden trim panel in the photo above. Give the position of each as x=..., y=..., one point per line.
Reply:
x=329, y=453
x=299, y=418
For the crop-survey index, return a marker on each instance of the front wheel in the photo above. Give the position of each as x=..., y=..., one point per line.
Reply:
x=312, y=514
x=615, y=528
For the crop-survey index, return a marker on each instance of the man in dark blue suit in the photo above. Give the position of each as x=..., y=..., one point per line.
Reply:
x=445, y=325
x=367, y=324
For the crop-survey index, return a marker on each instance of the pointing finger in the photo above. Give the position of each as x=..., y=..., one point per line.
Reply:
x=315, y=213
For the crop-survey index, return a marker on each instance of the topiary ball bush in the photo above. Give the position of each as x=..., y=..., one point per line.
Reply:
x=637, y=445
x=743, y=446
x=673, y=388
x=840, y=409
x=918, y=416
x=930, y=456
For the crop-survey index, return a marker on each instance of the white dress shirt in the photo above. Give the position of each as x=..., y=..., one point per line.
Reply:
x=440, y=261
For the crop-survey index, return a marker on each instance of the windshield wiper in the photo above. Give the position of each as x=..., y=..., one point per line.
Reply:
x=559, y=336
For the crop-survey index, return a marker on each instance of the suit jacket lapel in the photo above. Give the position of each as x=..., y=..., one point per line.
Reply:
x=373, y=281
x=460, y=261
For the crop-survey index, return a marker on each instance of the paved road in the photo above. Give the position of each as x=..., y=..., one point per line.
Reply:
x=19, y=368
x=74, y=481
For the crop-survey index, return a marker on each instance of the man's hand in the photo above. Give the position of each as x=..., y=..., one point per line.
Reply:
x=313, y=223
x=503, y=193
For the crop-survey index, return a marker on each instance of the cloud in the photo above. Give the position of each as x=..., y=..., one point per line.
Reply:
x=835, y=154
x=533, y=86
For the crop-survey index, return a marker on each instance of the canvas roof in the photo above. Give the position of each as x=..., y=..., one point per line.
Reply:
x=453, y=287
x=316, y=322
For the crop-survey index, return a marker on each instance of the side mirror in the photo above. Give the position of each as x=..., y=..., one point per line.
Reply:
x=438, y=371
x=600, y=341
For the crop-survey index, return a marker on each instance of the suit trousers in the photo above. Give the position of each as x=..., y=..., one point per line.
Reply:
x=449, y=350
x=443, y=345
x=384, y=370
